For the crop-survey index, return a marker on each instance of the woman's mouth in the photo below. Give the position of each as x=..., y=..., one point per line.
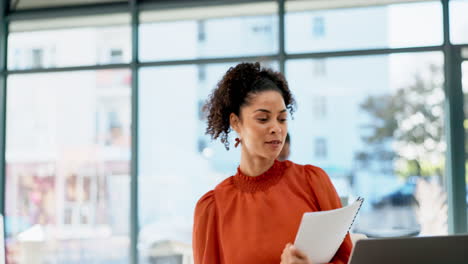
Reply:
x=274, y=143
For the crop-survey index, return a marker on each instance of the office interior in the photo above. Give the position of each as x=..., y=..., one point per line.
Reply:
x=102, y=136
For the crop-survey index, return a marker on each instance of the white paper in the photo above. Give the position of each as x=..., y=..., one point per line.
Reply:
x=321, y=233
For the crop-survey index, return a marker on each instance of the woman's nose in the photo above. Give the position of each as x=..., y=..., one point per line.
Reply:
x=275, y=129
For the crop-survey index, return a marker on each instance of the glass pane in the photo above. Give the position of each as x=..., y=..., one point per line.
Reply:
x=199, y=36
x=392, y=153
x=178, y=163
x=458, y=21
x=392, y=26
x=32, y=4
x=49, y=44
x=67, y=167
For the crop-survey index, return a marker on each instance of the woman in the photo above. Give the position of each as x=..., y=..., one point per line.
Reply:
x=286, y=150
x=253, y=216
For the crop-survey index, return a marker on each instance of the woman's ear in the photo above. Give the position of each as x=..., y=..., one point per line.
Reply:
x=234, y=122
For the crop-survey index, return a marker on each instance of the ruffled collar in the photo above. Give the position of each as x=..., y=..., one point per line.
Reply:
x=260, y=182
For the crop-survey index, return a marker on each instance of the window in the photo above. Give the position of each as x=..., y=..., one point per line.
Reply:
x=320, y=148
x=319, y=107
x=458, y=21
x=377, y=137
x=308, y=29
x=116, y=56
x=80, y=200
x=201, y=32
x=169, y=190
x=319, y=67
x=201, y=73
x=65, y=181
x=37, y=58
x=318, y=27
x=259, y=29
x=92, y=40
x=17, y=59
x=374, y=123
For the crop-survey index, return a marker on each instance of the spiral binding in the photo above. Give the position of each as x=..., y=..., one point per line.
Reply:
x=361, y=200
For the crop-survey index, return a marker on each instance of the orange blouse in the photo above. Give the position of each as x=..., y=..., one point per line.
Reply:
x=250, y=219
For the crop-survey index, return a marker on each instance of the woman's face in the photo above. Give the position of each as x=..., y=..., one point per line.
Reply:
x=262, y=126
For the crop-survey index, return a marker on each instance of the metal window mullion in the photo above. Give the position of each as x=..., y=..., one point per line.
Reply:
x=207, y=61
x=309, y=55
x=134, y=224
x=363, y=52
x=3, y=92
x=281, y=36
x=455, y=132
x=174, y=4
x=68, y=11
x=71, y=68
x=112, y=8
x=4, y=7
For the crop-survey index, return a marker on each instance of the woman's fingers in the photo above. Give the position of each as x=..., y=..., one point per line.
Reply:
x=292, y=255
x=297, y=253
x=285, y=256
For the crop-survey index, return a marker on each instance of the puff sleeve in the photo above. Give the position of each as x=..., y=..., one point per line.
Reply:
x=328, y=199
x=205, y=241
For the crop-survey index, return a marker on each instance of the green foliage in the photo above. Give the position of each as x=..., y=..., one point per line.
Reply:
x=408, y=124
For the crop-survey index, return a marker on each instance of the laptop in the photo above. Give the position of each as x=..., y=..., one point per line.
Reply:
x=412, y=250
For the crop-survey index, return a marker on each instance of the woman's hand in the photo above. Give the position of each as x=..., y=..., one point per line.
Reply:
x=292, y=255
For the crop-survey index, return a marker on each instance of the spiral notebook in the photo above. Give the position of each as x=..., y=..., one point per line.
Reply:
x=321, y=233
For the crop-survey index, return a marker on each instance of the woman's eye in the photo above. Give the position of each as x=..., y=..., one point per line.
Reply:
x=262, y=119
x=283, y=119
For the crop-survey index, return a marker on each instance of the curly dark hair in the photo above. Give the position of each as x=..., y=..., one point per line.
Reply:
x=234, y=90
